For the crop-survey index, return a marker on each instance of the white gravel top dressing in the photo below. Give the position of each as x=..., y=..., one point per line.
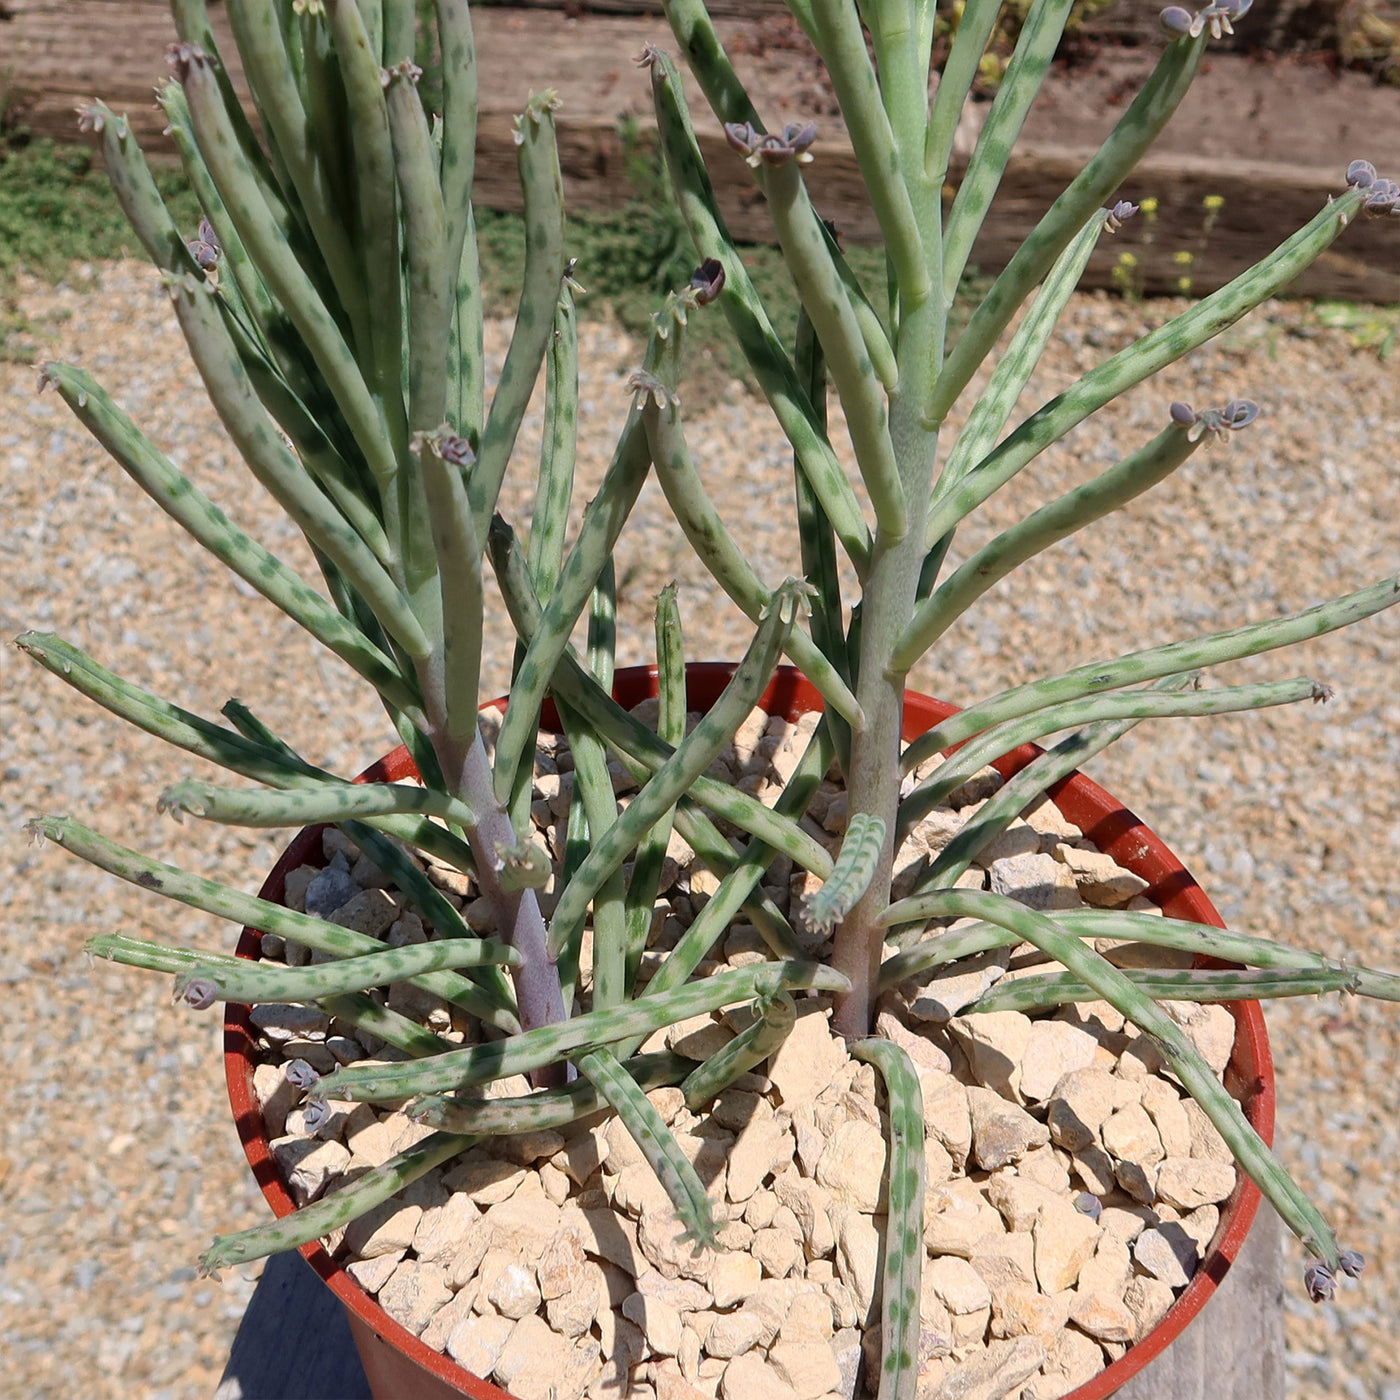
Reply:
x=118, y=1161
x=1071, y=1191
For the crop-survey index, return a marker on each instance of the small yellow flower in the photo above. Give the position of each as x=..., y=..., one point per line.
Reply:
x=1183, y=258
x=1214, y=201
x=1149, y=205
x=1127, y=260
x=1183, y=284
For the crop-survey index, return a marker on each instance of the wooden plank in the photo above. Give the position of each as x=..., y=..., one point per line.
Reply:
x=1294, y=117
x=1234, y=1350
x=294, y=1342
x=1285, y=26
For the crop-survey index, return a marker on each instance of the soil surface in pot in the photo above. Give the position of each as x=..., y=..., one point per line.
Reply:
x=1072, y=1189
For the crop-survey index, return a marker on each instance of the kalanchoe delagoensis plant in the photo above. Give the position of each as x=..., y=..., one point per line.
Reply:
x=331, y=302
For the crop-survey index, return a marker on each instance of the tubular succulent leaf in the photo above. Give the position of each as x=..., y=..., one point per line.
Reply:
x=323, y=1217
x=479, y=1064
x=331, y=300
x=658, y=1145
x=691, y=757
x=904, y=1235
x=262, y=914
x=851, y=875
x=1115, y=987
x=548, y=1108
x=250, y=982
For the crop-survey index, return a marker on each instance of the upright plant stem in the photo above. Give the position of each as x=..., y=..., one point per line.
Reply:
x=889, y=597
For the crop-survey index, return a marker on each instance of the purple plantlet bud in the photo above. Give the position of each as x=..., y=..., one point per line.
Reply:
x=199, y=992
x=456, y=450
x=1321, y=694
x=1361, y=173
x=92, y=118
x=205, y=254
x=1182, y=414
x=1119, y=215
x=1176, y=20
x=772, y=149
x=314, y=1114
x=1238, y=8
x=648, y=56
x=183, y=57
x=300, y=1075
x=1381, y=196
x=1239, y=413
x=707, y=281
x=1318, y=1280
x=741, y=137
x=1351, y=1263
x=798, y=136
x=47, y=378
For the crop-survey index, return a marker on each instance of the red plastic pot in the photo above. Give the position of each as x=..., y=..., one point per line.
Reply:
x=398, y=1365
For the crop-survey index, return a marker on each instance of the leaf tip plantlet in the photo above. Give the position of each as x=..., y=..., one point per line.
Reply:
x=707, y=281
x=1218, y=18
x=1119, y=214
x=404, y=71
x=771, y=148
x=200, y=993
x=1219, y=423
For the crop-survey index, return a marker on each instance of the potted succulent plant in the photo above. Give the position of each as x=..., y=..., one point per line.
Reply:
x=331, y=303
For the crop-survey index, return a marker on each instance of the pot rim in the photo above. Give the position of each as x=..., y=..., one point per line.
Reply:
x=1103, y=819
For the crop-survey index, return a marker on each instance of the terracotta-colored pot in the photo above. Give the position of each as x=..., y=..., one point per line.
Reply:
x=398, y=1365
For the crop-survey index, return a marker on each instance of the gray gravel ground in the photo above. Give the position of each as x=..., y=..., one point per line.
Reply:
x=117, y=1159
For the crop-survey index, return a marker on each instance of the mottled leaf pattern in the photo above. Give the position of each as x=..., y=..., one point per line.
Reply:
x=904, y=1230
x=519, y=1054
x=776, y=1016
x=851, y=876
x=658, y=1145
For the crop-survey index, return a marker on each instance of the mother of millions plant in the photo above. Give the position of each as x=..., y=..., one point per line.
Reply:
x=332, y=304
